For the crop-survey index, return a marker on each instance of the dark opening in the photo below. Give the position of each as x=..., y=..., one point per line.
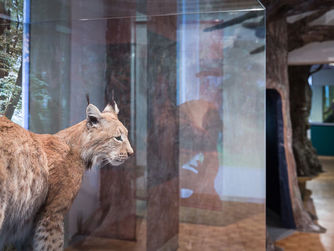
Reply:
x=278, y=201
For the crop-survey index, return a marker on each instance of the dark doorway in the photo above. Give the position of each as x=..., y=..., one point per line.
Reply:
x=278, y=201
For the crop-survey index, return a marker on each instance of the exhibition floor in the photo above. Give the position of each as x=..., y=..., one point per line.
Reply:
x=322, y=188
x=244, y=234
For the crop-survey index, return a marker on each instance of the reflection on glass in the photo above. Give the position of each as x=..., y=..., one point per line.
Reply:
x=190, y=88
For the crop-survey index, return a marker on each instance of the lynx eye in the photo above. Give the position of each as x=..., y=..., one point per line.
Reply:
x=119, y=138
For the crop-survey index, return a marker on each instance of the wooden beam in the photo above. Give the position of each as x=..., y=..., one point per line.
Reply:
x=277, y=9
x=305, y=35
x=309, y=5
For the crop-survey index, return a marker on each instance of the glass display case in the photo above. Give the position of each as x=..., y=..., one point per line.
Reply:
x=189, y=80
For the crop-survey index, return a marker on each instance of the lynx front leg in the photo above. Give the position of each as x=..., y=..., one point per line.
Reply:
x=2, y=209
x=49, y=233
x=3, y=204
x=3, y=196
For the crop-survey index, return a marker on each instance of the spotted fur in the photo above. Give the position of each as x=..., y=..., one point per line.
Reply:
x=40, y=175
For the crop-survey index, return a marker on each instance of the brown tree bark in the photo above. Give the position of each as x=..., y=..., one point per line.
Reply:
x=277, y=78
x=281, y=38
x=306, y=158
x=301, y=33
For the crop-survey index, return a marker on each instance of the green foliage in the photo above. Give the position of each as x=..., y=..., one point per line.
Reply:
x=7, y=89
x=11, y=39
x=15, y=8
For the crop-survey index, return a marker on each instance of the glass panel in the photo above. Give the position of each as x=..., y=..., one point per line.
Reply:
x=190, y=83
x=102, y=9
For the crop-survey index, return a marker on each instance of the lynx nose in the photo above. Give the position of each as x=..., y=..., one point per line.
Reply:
x=130, y=152
x=128, y=149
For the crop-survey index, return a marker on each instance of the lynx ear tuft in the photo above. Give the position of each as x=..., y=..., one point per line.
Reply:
x=93, y=115
x=109, y=108
x=116, y=108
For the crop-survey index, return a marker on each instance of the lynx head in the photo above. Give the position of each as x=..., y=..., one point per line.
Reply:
x=106, y=140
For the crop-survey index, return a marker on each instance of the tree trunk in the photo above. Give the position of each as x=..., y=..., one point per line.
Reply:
x=277, y=78
x=14, y=100
x=307, y=161
x=4, y=25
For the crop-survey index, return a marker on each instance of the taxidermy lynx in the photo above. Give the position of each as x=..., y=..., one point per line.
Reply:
x=40, y=175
